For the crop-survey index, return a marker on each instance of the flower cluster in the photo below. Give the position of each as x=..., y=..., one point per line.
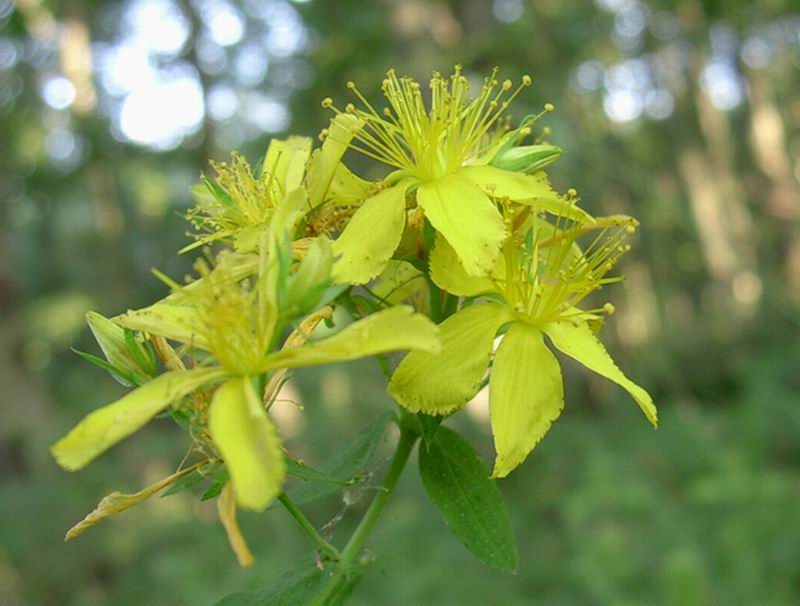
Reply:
x=462, y=241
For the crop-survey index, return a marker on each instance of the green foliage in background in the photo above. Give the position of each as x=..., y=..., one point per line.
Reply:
x=702, y=511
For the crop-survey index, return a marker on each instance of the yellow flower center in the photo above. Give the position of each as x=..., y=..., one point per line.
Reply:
x=547, y=274
x=430, y=142
x=236, y=322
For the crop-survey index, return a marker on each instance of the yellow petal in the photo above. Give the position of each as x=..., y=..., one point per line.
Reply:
x=226, y=508
x=297, y=337
x=579, y=342
x=464, y=214
x=325, y=160
x=248, y=443
x=103, y=428
x=177, y=322
x=117, y=502
x=371, y=236
x=440, y=383
x=533, y=190
x=448, y=273
x=507, y=184
x=526, y=394
x=347, y=188
x=285, y=164
x=392, y=329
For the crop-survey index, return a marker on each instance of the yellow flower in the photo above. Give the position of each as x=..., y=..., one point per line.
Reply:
x=237, y=323
x=537, y=285
x=238, y=205
x=442, y=155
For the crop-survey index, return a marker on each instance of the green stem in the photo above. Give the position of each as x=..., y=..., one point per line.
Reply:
x=308, y=528
x=351, y=551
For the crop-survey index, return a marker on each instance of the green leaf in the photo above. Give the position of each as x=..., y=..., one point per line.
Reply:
x=298, y=586
x=217, y=484
x=348, y=462
x=428, y=425
x=304, y=472
x=457, y=481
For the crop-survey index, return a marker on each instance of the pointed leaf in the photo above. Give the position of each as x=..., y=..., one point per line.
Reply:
x=371, y=236
x=463, y=213
x=440, y=383
x=578, y=341
x=457, y=481
x=526, y=394
x=103, y=428
x=248, y=443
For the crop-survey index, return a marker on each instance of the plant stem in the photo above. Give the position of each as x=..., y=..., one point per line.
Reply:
x=308, y=528
x=351, y=551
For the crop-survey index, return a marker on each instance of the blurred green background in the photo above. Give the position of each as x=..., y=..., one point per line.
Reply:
x=684, y=113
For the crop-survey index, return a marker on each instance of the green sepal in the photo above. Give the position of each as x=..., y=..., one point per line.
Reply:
x=126, y=378
x=305, y=288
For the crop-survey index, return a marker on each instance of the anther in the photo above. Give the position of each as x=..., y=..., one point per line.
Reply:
x=350, y=84
x=327, y=102
x=572, y=192
x=526, y=80
x=609, y=308
x=507, y=84
x=350, y=108
x=548, y=107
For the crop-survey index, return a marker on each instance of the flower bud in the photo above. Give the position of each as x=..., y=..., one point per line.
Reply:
x=125, y=353
x=305, y=287
x=526, y=158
